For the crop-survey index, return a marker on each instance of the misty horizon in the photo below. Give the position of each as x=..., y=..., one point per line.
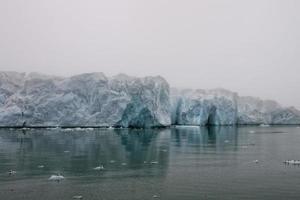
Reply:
x=250, y=47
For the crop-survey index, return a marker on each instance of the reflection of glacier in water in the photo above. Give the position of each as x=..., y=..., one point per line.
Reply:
x=215, y=136
x=101, y=146
x=175, y=163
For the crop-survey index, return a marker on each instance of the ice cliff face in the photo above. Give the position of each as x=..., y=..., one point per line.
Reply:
x=96, y=100
x=83, y=100
x=203, y=107
x=222, y=107
x=256, y=111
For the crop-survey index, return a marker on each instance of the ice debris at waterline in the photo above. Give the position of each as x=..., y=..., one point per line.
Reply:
x=56, y=178
x=101, y=167
x=292, y=162
x=264, y=125
x=94, y=100
x=12, y=172
x=77, y=197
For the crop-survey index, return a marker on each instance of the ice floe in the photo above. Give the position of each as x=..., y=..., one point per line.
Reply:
x=101, y=167
x=56, y=178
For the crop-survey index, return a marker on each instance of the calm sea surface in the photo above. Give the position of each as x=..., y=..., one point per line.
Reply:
x=176, y=163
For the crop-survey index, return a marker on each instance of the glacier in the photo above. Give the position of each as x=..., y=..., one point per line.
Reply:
x=95, y=100
x=203, y=107
x=83, y=100
x=223, y=107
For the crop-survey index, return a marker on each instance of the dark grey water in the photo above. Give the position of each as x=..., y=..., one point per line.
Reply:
x=187, y=163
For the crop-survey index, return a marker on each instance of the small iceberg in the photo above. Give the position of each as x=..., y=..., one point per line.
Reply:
x=251, y=131
x=292, y=162
x=101, y=167
x=123, y=164
x=12, y=172
x=56, y=178
x=77, y=197
x=155, y=196
x=112, y=161
x=256, y=161
x=154, y=162
x=40, y=166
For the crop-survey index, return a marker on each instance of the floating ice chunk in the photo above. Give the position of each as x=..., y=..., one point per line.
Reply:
x=124, y=164
x=40, y=166
x=226, y=141
x=154, y=162
x=101, y=167
x=77, y=197
x=256, y=161
x=66, y=151
x=56, y=178
x=112, y=161
x=155, y=196
x=12, y=172
x=251, y=131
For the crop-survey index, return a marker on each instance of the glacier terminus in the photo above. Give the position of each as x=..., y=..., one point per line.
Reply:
x=93, y=99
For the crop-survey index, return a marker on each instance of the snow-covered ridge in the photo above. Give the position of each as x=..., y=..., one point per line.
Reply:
x=93, y=99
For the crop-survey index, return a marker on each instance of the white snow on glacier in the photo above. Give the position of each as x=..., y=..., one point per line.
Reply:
x=96, y=100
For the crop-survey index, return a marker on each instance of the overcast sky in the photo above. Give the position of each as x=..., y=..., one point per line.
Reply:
x=248, y=46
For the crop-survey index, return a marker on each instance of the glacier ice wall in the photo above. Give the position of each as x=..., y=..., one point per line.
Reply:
x=223, y=107
x=96, y=100
x=83, y=100
x=256, y=111
x=203, y=107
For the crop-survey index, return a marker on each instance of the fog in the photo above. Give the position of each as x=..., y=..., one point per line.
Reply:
x=248, y=46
